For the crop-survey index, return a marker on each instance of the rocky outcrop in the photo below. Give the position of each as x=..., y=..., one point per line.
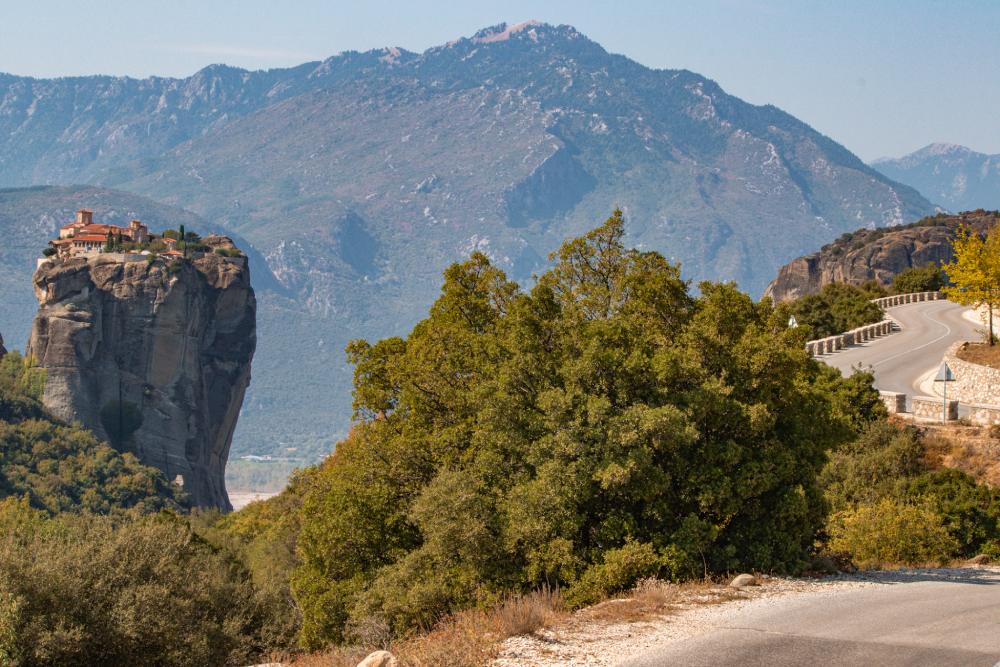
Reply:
x=3, y=350
x=152, y=355
x=874, y=254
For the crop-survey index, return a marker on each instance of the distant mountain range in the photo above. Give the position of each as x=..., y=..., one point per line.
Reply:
x=954, y=177
x=361, y=177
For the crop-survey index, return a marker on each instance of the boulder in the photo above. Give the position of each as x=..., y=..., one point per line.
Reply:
x=743, y=580
x=379, y=659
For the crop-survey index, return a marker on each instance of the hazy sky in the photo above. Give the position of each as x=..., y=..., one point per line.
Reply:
x=883, y=78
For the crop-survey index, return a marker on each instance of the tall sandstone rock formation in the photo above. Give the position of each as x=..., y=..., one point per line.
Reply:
x=875, y=254
x=154, y=357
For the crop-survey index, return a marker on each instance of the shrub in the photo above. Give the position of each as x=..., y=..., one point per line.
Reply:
x=619, y=571
x=80, y=589
x=970, y=511
x=926, y=278
x=49, y=252
x=889, y=532
x=525, y=614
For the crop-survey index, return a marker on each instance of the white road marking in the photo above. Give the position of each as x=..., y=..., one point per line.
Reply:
x=919, y=347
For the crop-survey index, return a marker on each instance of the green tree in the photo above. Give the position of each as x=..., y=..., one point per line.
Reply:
x=975, y=273
x=926, y=278
x=604, y=426
x=837, y=308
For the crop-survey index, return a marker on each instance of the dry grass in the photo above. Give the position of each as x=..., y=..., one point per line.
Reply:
x=653, y=598
x=524, y=614
x=980, y=353
x=468, y=639
x=971, y=449
x=472, y=638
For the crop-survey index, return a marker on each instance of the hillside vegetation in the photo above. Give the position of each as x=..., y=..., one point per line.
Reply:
x=607, y=425
x=60, y=467
x=554, y=445
x=97, y=563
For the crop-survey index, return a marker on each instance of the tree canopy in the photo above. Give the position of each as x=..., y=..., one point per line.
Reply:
x=605, y=425
x=975, y=272
x=837, y=308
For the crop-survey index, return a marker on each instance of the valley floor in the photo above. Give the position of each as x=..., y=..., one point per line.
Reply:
x=931, y=616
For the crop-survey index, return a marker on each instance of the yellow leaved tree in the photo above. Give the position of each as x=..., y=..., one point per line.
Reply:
x=975, y=272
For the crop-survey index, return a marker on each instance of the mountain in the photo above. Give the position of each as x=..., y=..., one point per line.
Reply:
x=875, y=254
x=956, y=177
x=361, y=177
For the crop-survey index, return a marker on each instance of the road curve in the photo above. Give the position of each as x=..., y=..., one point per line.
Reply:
x=921, y=617
x=899, y=361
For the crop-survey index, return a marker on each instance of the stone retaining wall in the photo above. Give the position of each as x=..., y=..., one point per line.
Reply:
x=930, y=407
x=974, y=384
x=895, y=402
x=986, y=415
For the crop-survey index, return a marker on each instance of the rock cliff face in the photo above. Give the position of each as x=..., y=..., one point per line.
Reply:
x=153, y=356
x=874, y=254
x=3, y=350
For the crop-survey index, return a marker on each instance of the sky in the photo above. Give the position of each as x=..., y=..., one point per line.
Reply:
x=882, y=77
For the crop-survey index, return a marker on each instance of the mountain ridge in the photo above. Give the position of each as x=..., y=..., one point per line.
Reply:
x=954, y=176
x=361, y=177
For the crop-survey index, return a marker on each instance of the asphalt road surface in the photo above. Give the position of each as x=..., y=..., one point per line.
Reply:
x=900, y=360
x=921, y=618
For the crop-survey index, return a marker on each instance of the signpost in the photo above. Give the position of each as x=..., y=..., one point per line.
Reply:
x=944, y=376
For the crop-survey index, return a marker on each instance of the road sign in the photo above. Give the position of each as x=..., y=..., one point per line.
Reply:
x=945, y=374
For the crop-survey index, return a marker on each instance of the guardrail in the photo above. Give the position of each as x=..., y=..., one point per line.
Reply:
x=913, y=297
x=832, y=344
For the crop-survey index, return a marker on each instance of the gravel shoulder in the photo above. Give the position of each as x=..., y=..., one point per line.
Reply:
x=589, y=637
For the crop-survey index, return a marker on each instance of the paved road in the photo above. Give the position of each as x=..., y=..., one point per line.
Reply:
x=899, y=361
x=925, y=618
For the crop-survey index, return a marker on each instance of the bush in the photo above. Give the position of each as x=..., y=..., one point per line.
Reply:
x=49, y=252
x=80, y=589
x=621, y=569
x=926, y=278
x=889, y=464
x=889, y=532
